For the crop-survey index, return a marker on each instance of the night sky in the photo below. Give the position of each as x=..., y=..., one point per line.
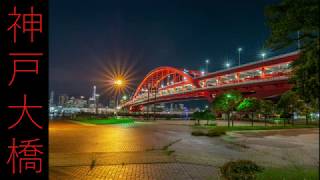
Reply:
x=86, y=36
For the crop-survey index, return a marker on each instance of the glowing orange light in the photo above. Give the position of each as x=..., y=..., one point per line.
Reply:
x=117, y=77
x=119, y=82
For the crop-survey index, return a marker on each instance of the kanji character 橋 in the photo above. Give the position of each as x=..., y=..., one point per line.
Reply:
x=28, y=156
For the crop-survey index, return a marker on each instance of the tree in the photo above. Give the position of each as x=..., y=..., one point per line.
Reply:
x=290, y=102
x=307, y=110
x=227, y=103
x=295, y=22
x=197, y=116
x=266, y=108
x=205, y=115
x=249, y=105
x=209, y=116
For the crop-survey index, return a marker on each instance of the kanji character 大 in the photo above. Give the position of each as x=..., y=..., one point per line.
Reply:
x=25, y=108
x=28, y=156
x=24, y=61
x=30, y=23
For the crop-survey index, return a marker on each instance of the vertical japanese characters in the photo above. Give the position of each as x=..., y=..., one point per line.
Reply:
x=24, y=113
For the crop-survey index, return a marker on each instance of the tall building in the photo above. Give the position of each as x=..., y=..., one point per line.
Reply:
x=51, y=100
x=63, y=99
x=94, y=93
x=112, y=103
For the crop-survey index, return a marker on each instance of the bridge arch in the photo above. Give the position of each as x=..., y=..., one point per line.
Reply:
x=154, y=78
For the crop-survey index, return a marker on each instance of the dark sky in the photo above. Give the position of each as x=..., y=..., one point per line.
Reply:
x=88, y=35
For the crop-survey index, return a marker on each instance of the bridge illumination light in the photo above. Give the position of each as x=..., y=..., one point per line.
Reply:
x=202, y=73
x=207, y=61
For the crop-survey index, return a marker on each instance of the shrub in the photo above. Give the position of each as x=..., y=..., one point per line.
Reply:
x=217, y=131
x=198, y=133
x=240, y=170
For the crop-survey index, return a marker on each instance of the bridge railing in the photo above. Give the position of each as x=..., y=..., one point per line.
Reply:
x=283, y=76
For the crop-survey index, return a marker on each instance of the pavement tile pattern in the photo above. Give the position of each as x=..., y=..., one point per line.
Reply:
x=161, y=150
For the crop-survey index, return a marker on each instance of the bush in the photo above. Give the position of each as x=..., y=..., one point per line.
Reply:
x=216, y=132
x=240, y=170
x=198, y=133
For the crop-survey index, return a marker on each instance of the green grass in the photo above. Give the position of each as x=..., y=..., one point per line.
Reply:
x=108, y=121
x=289, y=174
x=246, y=128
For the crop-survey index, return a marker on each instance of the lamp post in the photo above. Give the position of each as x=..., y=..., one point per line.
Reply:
x=263, y=55
x=154, y=105
x=148, y=101
x=119, y=84
x=207, y=65
x=239, y=53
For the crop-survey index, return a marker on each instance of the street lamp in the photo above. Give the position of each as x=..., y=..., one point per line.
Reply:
x=207, y=64
x=239, y=52
x=263, y=55
x=119, y=83
x=227, y=65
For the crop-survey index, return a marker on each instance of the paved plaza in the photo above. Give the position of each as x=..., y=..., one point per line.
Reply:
x=166, y=150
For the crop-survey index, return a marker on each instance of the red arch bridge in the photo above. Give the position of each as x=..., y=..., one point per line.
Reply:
x=261, y=79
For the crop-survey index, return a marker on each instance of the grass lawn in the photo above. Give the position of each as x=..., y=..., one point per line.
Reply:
x=246, y=128
x=213, y=131
x=289, y=174
x=108, y=121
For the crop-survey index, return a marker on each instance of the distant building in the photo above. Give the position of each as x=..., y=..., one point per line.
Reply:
x=51, y=100
x=181, y=107
x=80, y=103
x=112, y=103
x=63, y=100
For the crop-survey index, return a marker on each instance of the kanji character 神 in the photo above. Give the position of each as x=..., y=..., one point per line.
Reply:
x=30, y=23
x=24, y=61
x=28, y=159
x=25, y=108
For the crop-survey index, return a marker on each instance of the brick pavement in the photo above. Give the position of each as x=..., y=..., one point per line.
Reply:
x=172, y=171
x=141, y=151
